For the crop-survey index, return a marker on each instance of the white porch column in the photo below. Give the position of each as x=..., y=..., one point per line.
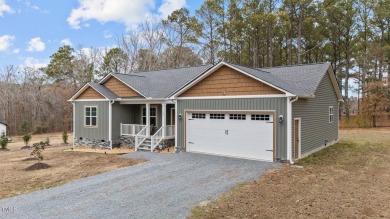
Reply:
x=148, y=119
x=163, y=118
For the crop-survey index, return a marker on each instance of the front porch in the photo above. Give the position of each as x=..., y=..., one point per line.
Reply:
x=147, y=126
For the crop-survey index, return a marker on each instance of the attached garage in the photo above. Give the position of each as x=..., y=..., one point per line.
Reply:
x=240, y=134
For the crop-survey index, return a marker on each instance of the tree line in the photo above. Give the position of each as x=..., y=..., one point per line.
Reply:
x=353, y=35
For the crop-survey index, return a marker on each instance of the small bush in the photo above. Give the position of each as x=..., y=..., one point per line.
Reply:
x=47, y=141
x=65, y=137
x=26, y=138
x=3, y=141
x=38, y=148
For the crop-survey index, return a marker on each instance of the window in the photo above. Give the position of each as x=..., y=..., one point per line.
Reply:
x=153, y=116
x=198, y=115
x=237, y=116
x=90, y=116
x=261, y=117
x=217, y=116
x=331, y=114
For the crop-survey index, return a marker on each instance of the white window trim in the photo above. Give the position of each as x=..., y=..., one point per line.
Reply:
x=85, y=116
x=331, y=115
x=142, y=114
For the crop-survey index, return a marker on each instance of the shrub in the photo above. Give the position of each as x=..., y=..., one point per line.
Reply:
x=37, y=150
x=47, y=141
x=65, y=137
x=26, y=138
x=3, y=141
x=23, y=128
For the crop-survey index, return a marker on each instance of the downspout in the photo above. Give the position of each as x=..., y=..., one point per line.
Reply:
x=74, y=119
x=290, y=100
x=110, y=122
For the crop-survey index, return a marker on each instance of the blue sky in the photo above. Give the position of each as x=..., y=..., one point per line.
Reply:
x=32, y=30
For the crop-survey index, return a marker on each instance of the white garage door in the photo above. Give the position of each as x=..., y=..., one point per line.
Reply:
x=245, y=135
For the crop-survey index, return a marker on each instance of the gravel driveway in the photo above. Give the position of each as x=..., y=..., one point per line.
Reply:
x=168, y=186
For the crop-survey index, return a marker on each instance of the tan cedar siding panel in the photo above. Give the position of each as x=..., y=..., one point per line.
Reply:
x=228, y=82
x=119, y=88
x=90, y=93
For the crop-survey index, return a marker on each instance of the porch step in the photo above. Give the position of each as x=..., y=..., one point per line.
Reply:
x=146, y=145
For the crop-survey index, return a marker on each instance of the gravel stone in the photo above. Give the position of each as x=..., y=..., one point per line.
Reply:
x=168, y=186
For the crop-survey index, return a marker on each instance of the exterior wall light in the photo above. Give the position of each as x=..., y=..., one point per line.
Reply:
x=280, y=118
x=180, y=116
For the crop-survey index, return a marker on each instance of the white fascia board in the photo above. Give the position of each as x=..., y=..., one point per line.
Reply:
x=151, y=101
x=232, y=97
x=89, y=100
x=216, y=67
x=334, y=83
x=82, y=90
x=112, y=75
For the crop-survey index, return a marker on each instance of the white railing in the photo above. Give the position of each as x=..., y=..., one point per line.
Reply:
x=156, y=139
x=131, y=129
x=140, y=137
x=169, y=131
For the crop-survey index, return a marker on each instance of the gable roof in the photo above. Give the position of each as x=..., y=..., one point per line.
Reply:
x=298, y=80
x=306, y=78
x=2, y=121
x=105, y=92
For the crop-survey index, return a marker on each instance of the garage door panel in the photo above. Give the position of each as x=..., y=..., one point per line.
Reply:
x=237, y=136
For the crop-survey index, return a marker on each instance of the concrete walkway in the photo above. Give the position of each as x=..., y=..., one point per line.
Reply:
x=168, y=186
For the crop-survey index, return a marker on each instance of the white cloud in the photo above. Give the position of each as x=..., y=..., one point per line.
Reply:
x=127, y=12
x=16, y=51
x=5, y=8
x=66, y=42
x=35, y=7
x=107, y=34
x=6, y=42
x=35, y=63
x=36, y=44
x=168, y=6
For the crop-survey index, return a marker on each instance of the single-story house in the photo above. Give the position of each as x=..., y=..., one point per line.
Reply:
x=271, y=114
x=3, y=126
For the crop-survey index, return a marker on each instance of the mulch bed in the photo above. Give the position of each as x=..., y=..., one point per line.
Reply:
x=37, y=166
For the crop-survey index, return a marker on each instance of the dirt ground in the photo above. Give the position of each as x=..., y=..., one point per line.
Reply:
x=348, y=180
x=64, y=166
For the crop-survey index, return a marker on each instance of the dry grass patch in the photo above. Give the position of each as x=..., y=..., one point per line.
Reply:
x=64, y=167
x=347, y=180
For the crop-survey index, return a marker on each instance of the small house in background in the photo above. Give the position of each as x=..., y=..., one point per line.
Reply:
x=272, y=114
x=3, y=126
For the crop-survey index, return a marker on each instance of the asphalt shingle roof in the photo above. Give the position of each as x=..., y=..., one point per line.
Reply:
x=103, y=90
x=300, y=80
x=162, y=83
x=306, y=78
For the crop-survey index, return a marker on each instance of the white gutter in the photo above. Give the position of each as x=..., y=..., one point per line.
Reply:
x=110, y=122
x=289, y=128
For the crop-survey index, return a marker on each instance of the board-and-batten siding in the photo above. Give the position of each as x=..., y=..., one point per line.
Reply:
x=123, y=113
x=279, y=105
x=228, y=82
x=119, y=88
x=314, y=114
x=90, y=93
x=101, y=131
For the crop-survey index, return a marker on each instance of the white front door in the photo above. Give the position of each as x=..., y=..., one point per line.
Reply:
x=238, y=134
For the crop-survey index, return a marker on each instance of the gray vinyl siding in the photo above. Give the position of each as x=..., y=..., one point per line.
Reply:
x=169, y=108
x=123, y=113
x=279, y=105
x=314, y=114
x=101, y=132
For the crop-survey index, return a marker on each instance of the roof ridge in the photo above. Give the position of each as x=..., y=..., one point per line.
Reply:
x=163, y=69
x=297, y=65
